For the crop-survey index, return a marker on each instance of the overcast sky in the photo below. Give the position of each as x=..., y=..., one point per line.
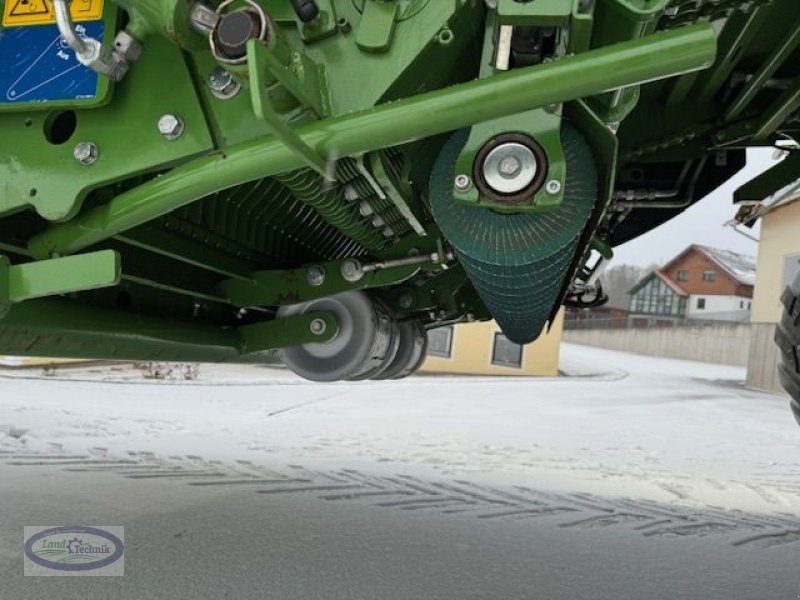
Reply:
x=703, y=223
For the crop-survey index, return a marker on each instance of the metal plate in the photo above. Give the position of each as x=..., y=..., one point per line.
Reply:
x=36, y=65
x=38, y=68
x=44, y=175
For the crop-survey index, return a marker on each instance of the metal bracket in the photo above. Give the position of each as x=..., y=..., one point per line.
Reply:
x=378, y=22
x=57, y=276
x=313, y=327
x=259, y=61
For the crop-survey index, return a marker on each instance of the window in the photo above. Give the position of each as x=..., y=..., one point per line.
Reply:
x=506, y=353
x=791, y=268
x=440, y=342
x=741, y=303
x=709, y=275
x=683, y=275
x=701, y=304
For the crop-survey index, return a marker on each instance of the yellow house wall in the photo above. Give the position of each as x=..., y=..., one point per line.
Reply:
x=780, y=238
x=472, y=352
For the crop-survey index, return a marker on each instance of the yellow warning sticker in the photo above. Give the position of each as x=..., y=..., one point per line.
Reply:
x=19, y=13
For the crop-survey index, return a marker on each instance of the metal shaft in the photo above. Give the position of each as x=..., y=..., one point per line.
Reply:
x=598, y=71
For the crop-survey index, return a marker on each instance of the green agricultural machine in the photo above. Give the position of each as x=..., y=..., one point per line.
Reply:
x=215, y=181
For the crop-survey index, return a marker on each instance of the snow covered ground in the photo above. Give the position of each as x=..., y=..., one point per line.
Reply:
x=617, y=424
x=628, y=477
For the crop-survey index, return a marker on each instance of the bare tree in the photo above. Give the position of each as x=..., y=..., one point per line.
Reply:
x=617, y=282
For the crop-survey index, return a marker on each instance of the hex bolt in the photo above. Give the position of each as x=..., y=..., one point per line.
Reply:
x=223, y=84
x=462, y=182
x=351, y=270
x=509, y=167
x=553, y=187
x=170, y=126
x=318, y=326
x=315, y=276
x=86, y=153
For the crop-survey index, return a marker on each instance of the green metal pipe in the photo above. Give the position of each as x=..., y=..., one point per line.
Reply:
x=598, y=71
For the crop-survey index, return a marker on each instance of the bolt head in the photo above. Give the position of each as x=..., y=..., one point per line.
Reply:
x=222, y=84
x=318, y=326
x=86, y=153
x=351, y=270
x=170, y=126
x=509, y=167
x=315, y=276
x=462, y=182
x=553, y=187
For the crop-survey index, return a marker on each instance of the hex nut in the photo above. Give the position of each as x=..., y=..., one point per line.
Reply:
x=86, y=153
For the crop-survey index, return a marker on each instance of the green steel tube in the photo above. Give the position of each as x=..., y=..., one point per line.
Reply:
x=594, y=72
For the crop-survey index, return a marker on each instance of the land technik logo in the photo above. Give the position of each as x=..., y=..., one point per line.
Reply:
x=74, y=550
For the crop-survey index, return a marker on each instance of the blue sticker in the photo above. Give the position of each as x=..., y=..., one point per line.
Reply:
x=36, y=65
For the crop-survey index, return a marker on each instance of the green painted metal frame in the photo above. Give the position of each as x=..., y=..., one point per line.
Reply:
x=45, y=176
x=281, y=287
x=260, y=60
x=65, y=328
x=105, y=87
x=629, y=63
x=39, y=279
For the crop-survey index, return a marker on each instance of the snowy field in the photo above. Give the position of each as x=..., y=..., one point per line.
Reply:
x=628, y=477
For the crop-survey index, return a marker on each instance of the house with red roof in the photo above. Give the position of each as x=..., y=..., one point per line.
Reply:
x=701, y=284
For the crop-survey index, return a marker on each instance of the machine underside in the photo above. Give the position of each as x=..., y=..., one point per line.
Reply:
x=214, y=181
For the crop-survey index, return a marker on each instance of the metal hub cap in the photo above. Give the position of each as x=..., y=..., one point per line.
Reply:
x=510, y=168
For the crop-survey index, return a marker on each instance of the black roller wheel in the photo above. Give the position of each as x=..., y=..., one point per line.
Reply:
x=411, y=352
x=360, y=348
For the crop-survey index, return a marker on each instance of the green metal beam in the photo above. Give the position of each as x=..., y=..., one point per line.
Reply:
x=598, y=71
x=779, y=111
x=62, y=328
x=281, y=287
x=63, y=275
x=770, y=181
x=739, y=32
x=765, y=71
x=314, y=327
x=56, y=276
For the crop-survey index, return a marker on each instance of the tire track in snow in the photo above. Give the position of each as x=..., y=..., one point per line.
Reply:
x=571, y=511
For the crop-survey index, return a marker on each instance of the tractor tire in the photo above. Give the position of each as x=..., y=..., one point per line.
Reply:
x=787, y=336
